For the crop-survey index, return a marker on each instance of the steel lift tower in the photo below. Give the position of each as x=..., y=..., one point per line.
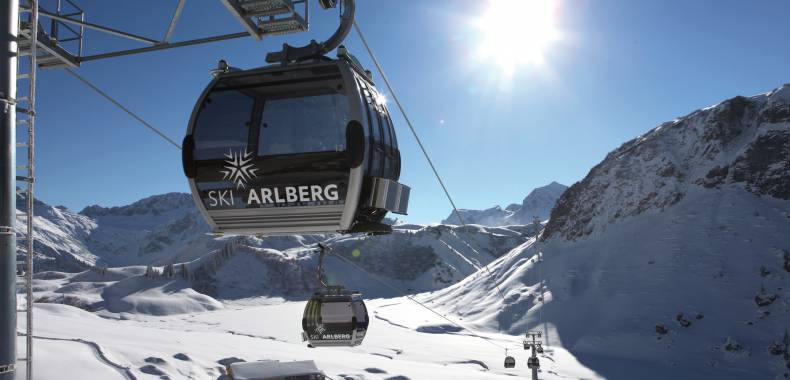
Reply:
x=8, y=49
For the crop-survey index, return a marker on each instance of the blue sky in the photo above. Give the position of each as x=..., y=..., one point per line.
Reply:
x=619, y=68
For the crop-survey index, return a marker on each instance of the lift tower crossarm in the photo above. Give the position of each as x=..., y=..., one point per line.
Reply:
x=164, y=46
x=96, y=27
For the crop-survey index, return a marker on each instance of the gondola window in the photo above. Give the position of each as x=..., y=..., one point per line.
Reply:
x=307, y=124
x=223, y=125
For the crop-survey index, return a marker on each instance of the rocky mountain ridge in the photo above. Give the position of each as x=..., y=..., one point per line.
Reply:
x=741, y=142
x=538, y=202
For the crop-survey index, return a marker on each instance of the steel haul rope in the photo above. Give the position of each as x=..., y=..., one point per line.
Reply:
x=416, y=137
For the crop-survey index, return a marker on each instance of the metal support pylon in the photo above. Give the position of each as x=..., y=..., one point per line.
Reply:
x=26, y=112
x=9, y=16
x=533, y=341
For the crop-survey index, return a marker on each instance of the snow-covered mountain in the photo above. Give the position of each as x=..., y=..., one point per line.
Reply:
x=741, y=143
x=538, y=203
x=167, y=230
x=156, y=230
x=670, y=259
x=413, y=259
x=60, y=234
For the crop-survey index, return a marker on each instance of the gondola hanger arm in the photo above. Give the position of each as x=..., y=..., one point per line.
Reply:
x=315, y=49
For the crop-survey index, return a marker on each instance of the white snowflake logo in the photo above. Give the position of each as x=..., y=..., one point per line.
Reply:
x=240, y=168
x=320, y=329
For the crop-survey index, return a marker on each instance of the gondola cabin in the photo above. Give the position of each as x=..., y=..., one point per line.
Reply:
x=510, y=362
x=337, y=318
x=303, y=148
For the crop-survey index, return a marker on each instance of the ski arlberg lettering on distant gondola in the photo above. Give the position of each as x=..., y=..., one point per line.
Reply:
x=241, y=170
x=330, y=336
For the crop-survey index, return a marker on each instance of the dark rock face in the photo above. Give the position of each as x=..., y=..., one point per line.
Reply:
x=765, y=166
x=741, y=142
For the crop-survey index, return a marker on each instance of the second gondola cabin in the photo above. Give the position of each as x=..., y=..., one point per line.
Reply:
x=335, y=318
x=303, y=148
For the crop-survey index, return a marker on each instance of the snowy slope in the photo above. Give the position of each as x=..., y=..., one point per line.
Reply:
x=244, y=269
x=167, y=229
x=195, y=346
x=538, y=203
x=661, y=263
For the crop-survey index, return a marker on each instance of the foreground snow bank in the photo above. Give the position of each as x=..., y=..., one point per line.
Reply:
x=86, y=346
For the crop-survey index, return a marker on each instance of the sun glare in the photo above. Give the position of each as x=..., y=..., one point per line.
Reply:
x=516, y=32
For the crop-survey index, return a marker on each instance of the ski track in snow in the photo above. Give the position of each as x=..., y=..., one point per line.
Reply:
x=377, y=316
x=98, y=353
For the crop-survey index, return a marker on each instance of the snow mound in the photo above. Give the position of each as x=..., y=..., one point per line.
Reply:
x=139, y=295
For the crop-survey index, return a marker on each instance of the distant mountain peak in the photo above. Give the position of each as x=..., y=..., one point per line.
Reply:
x=538, y=203
x=155, y=204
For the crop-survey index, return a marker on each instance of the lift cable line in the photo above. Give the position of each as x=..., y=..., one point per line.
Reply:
x=416, y=137
x=408, y=121
x=124, y=109
x=379, y=280
x=399, y=291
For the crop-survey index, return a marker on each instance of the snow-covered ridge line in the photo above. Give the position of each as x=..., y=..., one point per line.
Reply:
x=741, y=142
x=167, y=233
x=538, y=202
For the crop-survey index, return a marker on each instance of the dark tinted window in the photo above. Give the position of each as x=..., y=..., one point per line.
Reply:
x=392, y=130
x=223, y=124
x=360, y=311
x=386, y=129
x=316, y=376
x=304, y=124
x=376, y=153
x=375, y=126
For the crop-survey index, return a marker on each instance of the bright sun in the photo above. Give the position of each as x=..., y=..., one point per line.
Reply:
x=516, y=32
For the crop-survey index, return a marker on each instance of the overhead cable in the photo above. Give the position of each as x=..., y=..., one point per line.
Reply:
x=416, y=137
x=398, y=291
x=121, y=106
